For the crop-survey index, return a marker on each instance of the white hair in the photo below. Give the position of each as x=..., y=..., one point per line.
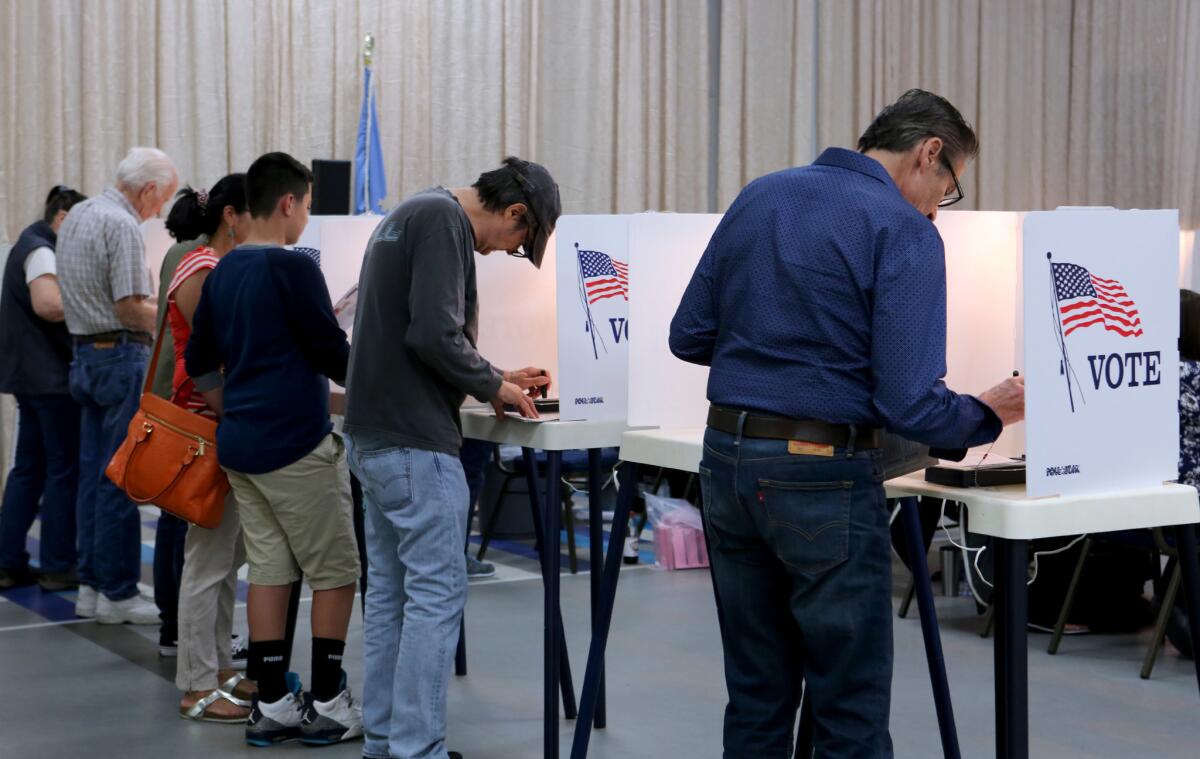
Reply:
x=145, y=165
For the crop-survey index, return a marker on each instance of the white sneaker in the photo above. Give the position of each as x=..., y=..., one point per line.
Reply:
x=134, y=611
x=85, y=602
x=277, y=721
x=334, y=721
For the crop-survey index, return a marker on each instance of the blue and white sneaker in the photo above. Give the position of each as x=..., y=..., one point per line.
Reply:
x=276, y=722
x=333, y=721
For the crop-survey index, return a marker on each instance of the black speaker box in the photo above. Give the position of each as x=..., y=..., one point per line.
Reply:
x=331, y=187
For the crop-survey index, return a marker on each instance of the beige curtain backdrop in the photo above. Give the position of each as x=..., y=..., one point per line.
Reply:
x=1076, y=101
x=1092, y=102
x=610, y=94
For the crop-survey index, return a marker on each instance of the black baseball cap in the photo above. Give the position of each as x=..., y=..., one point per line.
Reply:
x=541, y=196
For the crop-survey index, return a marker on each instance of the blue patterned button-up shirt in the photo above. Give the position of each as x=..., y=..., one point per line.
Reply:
x=822, y=295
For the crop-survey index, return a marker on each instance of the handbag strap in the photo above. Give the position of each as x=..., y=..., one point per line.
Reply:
x=150, y=499
x=158, y=341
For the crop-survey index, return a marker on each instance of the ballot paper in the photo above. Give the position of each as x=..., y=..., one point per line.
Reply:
x=544, y=416
x=345, y=307
x=981, y=458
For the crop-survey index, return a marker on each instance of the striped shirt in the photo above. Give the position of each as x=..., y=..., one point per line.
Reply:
x=202, y=258
x=101, y=260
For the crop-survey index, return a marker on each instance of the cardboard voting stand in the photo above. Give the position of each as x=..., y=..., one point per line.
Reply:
x=516, y=301
x=664, y=250
x=592, y=255
x=1100, y=330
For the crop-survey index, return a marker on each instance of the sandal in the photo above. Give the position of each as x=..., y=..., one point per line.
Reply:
x=199, y=710
x=229, y=690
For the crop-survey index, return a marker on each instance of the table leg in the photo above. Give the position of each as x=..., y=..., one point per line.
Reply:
x=612, y=572
x=596, y=553
x=929, y=627
x=1011, y=649
x=1185, y=536
x=554, y=639
x=535, y=500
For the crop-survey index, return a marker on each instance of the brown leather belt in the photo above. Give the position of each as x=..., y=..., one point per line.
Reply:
x=119, y=336
x=782, y=428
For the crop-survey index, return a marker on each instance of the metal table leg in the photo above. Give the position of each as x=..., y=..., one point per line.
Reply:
x=929, y=627
x=612, y=567
x=554, y=639
x=1185, y=536
x=1011, y=649
x=596, y=552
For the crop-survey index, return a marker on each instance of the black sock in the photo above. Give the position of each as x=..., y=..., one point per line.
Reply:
x=327, y=668
x=266, y=661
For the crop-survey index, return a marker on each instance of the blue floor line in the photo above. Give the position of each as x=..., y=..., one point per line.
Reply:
x=54, y=607
x=51, y=606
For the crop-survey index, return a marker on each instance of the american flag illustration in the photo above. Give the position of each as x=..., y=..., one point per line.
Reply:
x=1085, y=299
x=603, y=277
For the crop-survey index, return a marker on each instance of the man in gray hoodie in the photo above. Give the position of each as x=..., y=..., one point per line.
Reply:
x=412, y=363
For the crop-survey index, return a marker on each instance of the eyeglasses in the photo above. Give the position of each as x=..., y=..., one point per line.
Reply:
x=956, y=195
x=532, y=220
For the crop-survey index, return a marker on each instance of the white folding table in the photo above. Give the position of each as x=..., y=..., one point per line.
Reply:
x=1012, y=519
x=554, y=437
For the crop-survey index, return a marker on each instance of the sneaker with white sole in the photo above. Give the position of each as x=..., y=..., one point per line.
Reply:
x=239, y=653
x=134, y=611
x=85, y=602
x=333, y=721
x=477, y=569
x=279, y=721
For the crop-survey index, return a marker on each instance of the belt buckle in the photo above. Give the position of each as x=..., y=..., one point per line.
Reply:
x=104, y=345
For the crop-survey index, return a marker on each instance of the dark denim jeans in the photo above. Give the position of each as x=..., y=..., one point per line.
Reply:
x=46, y=470
x=170, y=535
x=107, y=383
x=475, y=455
x=801, y=564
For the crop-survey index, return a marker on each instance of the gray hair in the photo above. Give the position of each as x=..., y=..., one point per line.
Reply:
x=916, y=116
x=142, y=166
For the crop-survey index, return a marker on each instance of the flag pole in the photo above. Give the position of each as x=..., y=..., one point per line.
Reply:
x=1062, y=339
x=368, y=59
x=587, y=308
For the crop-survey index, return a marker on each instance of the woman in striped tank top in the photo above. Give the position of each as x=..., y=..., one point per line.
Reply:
x=213, y=690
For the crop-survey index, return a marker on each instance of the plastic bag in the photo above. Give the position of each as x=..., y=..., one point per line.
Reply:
x=672, y=512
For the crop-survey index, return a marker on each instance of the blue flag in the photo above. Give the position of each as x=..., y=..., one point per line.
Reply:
x=370, y=183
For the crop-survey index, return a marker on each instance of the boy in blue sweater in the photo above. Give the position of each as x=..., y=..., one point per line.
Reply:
x=264, y=345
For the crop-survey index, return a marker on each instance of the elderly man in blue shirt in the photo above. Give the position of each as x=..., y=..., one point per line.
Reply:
x=820, y=306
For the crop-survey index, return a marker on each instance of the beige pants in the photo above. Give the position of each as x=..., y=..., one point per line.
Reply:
x=211, y=559
x=299, y=519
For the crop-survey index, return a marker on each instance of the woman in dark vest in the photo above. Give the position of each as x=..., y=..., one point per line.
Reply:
x=35, y=354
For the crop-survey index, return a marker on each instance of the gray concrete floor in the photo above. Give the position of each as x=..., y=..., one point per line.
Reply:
x=85, y=690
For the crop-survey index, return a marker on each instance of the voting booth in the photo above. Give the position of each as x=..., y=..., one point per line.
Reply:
x=1084, y=302
x=516, y=301
x=1101, y=349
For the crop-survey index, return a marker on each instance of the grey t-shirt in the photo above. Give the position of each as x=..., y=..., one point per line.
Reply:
x=412, y=357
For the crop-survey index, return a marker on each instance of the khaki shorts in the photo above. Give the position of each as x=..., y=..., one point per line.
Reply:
x=298, y=519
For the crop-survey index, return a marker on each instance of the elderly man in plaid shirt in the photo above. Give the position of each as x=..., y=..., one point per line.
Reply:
x=108, y=300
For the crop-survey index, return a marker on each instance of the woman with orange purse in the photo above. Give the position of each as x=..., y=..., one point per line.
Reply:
x=213, y=690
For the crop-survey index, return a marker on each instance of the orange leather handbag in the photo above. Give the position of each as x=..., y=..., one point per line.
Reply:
x=169, y=458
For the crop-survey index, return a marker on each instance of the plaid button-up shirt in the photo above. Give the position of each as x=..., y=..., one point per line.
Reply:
x=101, y=260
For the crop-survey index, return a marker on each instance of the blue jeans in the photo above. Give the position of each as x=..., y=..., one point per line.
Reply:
x=801, y=566
x=107, y=383
x=47, y=470
x=416, y=514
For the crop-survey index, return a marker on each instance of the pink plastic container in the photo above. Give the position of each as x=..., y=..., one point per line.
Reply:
x=679, y=547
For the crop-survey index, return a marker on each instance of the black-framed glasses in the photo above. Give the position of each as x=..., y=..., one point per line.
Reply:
x=951, y=197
